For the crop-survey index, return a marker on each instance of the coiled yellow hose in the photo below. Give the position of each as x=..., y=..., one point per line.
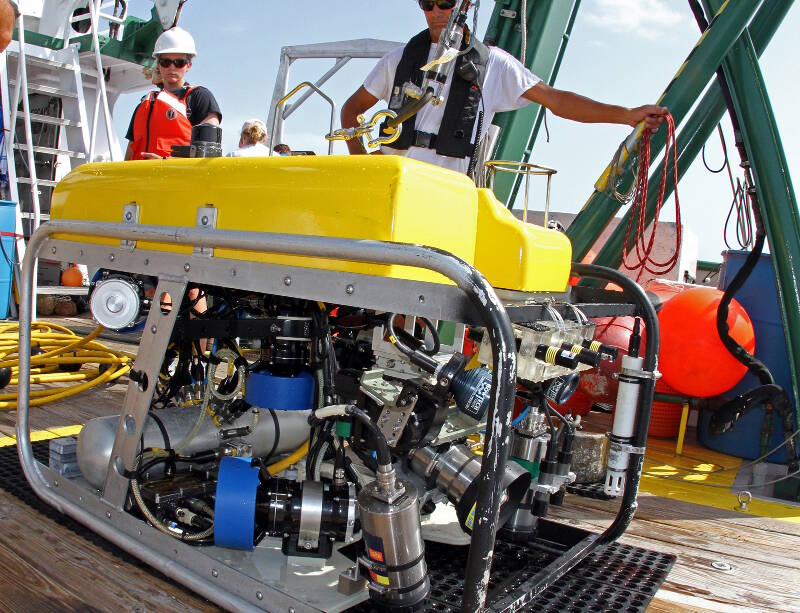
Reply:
x=59, y=346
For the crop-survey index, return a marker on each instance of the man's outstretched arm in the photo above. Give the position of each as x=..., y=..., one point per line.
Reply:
x=357, y=104
x=573, y=106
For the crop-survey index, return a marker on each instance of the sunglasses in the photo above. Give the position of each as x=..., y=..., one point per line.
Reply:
x=427, y=5
x=179, y=63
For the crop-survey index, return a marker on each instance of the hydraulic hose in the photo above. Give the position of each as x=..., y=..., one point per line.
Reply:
x=62, y=353
x=769, y=393
x=416, y=357
x=342, y=410
x=293, y=458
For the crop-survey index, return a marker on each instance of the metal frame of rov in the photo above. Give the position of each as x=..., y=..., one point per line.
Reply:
x=241, y=581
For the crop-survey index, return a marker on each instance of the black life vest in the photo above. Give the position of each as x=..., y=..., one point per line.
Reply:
x=461, y=109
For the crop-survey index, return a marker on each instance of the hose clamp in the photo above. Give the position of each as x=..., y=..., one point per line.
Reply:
x=654, y=375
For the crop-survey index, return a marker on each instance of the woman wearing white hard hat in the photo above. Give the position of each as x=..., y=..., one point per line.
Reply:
x=252, y=140
x=165, y=117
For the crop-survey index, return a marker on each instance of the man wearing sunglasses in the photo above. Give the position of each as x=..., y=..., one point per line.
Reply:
x=165, y=118
x=487, y=80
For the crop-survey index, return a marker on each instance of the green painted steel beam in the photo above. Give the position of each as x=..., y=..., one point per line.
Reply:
x=773, y=184
x=684, y=89
x=696, y=130
x=138, y=39
x=546, y=21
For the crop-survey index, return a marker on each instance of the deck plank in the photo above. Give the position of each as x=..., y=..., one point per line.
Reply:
x=764, y=565
x=46, y=566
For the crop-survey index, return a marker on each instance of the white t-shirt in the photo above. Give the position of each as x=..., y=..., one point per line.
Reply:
x=250, y=151
x=506, y=80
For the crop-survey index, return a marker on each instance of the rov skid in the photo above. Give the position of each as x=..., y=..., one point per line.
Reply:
x=302, y=414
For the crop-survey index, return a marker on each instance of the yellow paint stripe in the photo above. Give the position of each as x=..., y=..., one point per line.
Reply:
x=661, y=461
x=44, y=435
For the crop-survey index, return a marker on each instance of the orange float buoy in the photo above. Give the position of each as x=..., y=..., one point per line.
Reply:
x=72, y=276
x=693, y=359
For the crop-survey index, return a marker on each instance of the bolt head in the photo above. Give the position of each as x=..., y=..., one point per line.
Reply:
x=287, y=281
x=259, y=595
x=204, y=220
x=153, y=329
x=186, y=267
x=349, y=290
x=111, y=257
x=128, y=216
x=52, y=249
x=214, y=573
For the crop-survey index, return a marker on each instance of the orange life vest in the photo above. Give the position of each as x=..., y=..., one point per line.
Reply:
x=160, y=122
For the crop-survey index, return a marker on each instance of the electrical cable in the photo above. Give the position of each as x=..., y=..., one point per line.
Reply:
x=739, y=203
x=518, y=419
x=61, y=349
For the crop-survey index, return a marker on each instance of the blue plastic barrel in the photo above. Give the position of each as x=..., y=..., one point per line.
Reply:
x=759, y=297
x=8, y=253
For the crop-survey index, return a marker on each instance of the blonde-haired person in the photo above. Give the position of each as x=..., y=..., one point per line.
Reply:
x=252, y=140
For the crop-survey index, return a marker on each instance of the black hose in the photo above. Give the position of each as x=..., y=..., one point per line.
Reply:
x=277, y=436
x=162, y=428
x=366, y=459
x=381, y=446
x=418, y=358
x=552, y=446
x=755, y=366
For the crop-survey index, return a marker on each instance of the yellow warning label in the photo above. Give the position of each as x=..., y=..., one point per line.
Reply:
x=383, y=580
x=471, y=517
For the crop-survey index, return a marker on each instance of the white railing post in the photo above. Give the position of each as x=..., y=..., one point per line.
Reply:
x=94, y=7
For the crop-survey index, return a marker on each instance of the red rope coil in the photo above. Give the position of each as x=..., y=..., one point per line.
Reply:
x=643, y=260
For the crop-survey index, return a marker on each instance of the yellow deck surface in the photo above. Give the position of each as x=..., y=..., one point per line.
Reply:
x=705, y=477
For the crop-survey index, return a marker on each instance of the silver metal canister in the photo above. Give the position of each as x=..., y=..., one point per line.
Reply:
x=394, y=552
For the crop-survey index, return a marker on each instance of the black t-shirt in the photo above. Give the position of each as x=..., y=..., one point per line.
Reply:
x=200, y=103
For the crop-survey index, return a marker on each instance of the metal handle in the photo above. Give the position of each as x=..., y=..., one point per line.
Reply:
x=283, y=100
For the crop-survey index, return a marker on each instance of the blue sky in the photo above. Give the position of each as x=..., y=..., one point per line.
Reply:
x=621, y=51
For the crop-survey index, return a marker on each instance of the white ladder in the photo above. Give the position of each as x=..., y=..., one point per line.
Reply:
x=56, y=74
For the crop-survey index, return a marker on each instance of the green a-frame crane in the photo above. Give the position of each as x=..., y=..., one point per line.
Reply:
x=738, y=32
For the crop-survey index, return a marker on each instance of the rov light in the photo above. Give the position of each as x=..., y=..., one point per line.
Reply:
x=455, y=472
x=116, y=302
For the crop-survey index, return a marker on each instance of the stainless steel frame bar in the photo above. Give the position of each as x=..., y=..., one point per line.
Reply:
x=180, y=561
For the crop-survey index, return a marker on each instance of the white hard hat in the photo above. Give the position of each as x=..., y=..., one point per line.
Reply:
x=175, y=40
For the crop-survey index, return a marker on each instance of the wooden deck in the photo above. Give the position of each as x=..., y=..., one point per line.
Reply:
x=44, y=566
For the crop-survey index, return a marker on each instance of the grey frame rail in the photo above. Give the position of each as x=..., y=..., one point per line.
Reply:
x=128, y=533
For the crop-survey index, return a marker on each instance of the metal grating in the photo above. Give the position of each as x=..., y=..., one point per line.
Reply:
x=618, y=578
x=588, y=490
